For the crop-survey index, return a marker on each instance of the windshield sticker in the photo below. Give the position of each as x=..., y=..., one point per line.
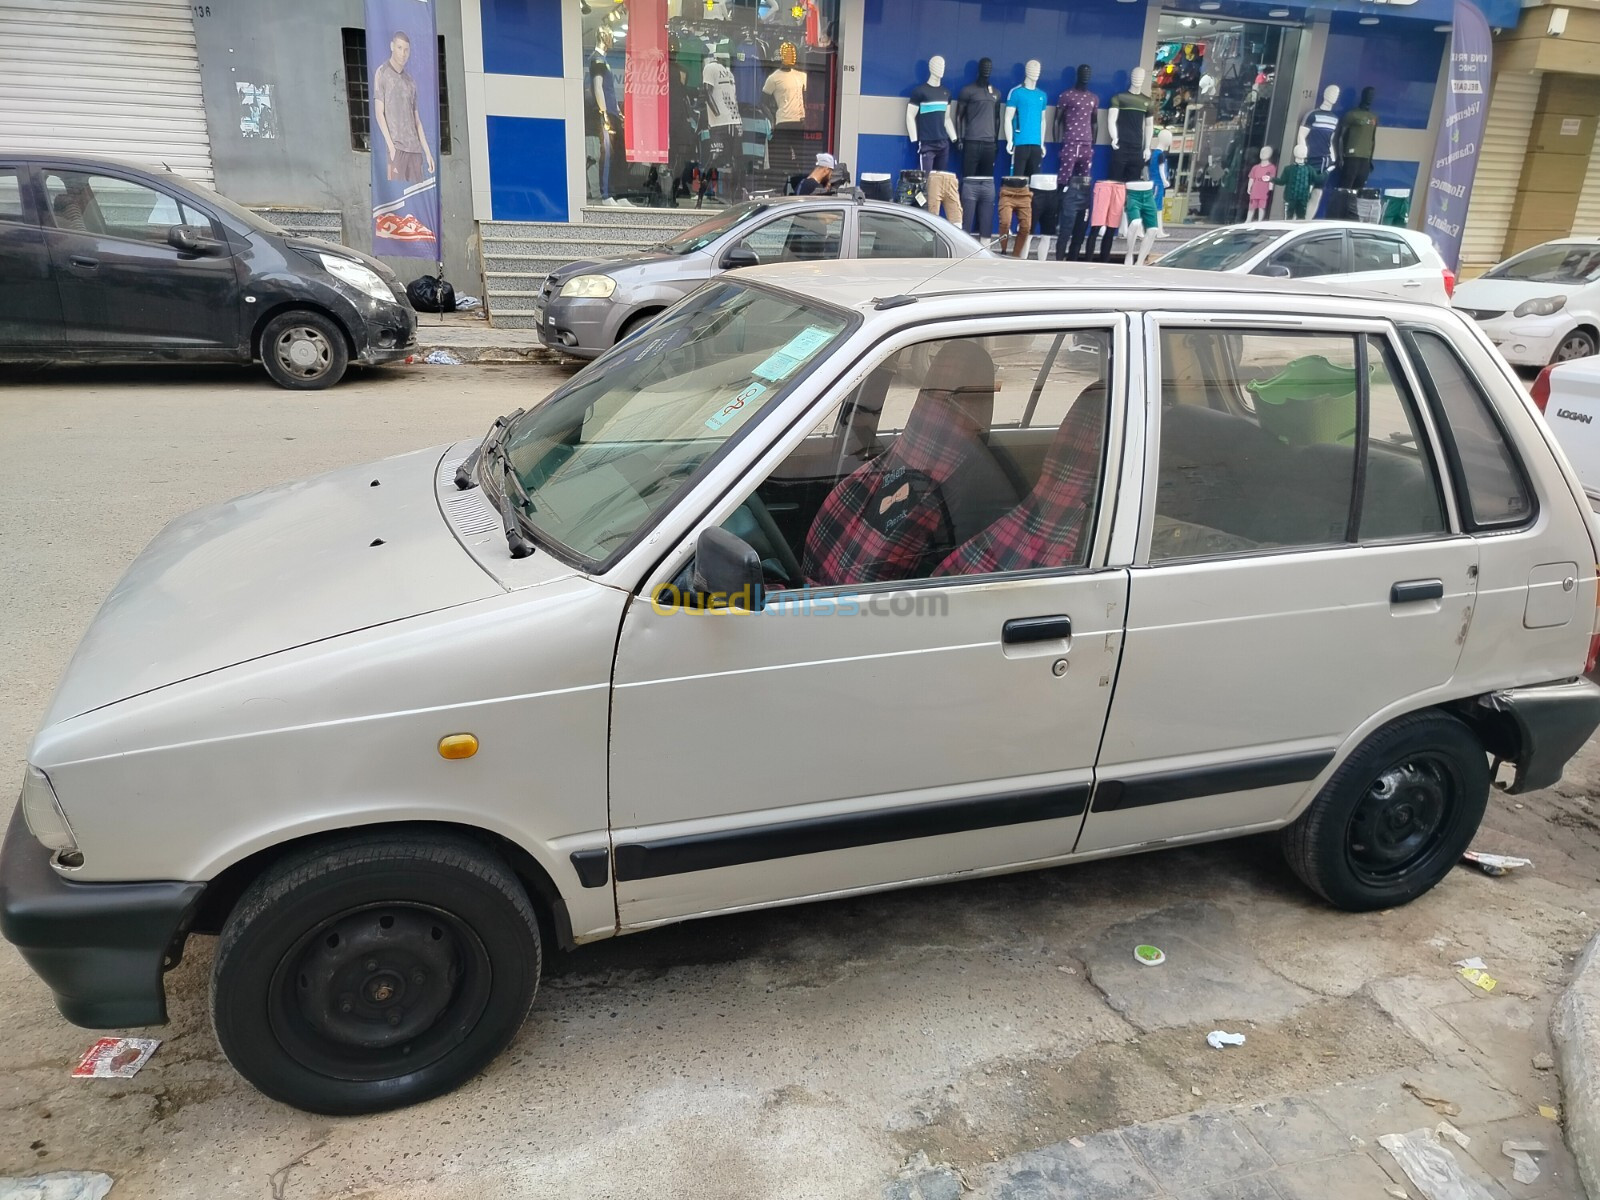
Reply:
x=735, y=406
x=787, y=359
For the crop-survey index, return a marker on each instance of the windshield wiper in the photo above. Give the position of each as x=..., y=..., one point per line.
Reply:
x=516, y=541
x=464, y=478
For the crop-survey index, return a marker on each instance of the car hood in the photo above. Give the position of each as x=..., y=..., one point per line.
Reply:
x=1506, y=294
x=270, y=571
x=629, y=266
x=319, y=245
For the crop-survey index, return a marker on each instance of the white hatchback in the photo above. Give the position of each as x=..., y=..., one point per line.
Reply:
x=1541, y=306
x=1379, y=258
x=838, y=577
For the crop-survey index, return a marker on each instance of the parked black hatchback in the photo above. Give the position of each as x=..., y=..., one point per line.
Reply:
x=109, y=263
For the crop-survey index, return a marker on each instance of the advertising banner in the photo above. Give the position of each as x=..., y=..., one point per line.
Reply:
x=644, y=90
x=403, y=83
x=1466, y=108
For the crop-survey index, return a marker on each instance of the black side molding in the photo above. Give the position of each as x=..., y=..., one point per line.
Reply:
x=593, y=867
x=1165, y=787
x=729, y=848
x=1411, y=590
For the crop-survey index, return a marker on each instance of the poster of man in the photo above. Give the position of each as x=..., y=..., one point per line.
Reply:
x=403, y=58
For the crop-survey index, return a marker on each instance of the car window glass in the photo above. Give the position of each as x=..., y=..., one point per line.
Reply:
x=805, y=236
x=1400, y=495
x=1221, y=250
x=1257, y=443
x=883, y=235
x=960, y=456
x=103, y=204
x=1496, y=489
x=1309, y=256
x=10, y=196
x=1376, y=252
x=1559, y=263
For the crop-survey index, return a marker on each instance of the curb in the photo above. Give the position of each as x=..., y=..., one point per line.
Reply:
x=1575, y=1027
x=489, y=354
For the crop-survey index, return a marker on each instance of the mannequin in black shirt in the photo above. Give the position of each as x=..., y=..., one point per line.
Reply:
x=980, y=113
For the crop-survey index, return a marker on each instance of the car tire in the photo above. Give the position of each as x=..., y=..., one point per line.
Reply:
x=304, y=350
x=371, y=974
x=1577, y=344
x=1395, y=817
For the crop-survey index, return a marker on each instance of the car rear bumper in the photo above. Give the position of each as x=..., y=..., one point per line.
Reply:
x=1553, y=722
x=101, y=947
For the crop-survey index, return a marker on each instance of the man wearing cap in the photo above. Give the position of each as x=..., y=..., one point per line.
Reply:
x=819, y=179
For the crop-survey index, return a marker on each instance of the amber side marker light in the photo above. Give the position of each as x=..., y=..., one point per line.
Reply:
x=458, y=745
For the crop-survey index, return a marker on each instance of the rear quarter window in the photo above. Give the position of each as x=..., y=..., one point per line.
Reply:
x=1487, y=472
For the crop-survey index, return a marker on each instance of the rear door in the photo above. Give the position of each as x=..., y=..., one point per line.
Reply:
x=30, y=307
x=1386, y=262
x=1301, y=574
x=123, y=286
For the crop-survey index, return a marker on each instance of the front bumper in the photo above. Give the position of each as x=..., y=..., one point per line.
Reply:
x=385, y=333
x=581, y=328
x=1526, y=341
x=101, y=947
x=1553, y=722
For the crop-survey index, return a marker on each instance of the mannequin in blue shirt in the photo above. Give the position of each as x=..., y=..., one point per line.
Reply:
x=1025, y=122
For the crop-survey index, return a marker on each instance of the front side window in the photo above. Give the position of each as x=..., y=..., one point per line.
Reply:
x=882, y=235
x=1220, y=251
x=804, y=236
x=601, y=457
x=1309, y=256
x=961, y=456
x=103, y=204
x=1264, y=436
x=1378, y=252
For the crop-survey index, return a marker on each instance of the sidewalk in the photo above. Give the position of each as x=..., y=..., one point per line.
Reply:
x=470, y=338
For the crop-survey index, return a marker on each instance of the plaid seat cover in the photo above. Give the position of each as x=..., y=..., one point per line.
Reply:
x=1047, y=528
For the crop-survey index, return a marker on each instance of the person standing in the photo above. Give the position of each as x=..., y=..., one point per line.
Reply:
x=394, y=96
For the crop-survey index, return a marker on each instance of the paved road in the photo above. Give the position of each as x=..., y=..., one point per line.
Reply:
x=971, y=1031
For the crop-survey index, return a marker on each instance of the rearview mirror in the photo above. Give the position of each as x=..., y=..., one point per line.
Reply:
x=188, y=240
x=1274, y=271
x=739, y=256
x=727, y=571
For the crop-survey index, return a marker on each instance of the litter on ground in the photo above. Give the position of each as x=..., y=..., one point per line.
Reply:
x=1217, y=1039
x=115, y=1058
x=1446, y=1130
x=1495, y=864
x=1445, y=1108
x=1476, y=973
x=442, y=358
x=1523, y=1168
x=1149, y=956
x=57, y=1185
x=1432, y=1169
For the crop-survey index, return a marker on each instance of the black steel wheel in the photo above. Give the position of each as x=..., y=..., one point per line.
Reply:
x=370, y=975
x=1395, y=817
x=304, y=350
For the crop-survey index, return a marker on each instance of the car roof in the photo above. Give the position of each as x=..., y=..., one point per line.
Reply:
x=860, y=283
x=89, y=161
x=1297, y=226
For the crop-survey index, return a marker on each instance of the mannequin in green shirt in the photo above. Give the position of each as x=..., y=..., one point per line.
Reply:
x=1357, y=138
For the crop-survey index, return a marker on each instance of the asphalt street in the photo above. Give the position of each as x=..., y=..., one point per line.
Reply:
x=803, y=1052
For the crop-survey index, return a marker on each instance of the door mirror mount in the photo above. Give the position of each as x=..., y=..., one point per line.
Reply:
x=739, y=256
x=1274, y=271
x=727, y=572
x=184, y=238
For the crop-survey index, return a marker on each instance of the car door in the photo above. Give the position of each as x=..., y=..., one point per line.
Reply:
x=802, y=233
x=122, y=284
x=1311, y=256
x=1302, y=575
x=1386, y=262
x=890, y=235
x=30, y=306
x=859, y=735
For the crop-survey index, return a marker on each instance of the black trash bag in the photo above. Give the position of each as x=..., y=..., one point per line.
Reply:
x=431, y=294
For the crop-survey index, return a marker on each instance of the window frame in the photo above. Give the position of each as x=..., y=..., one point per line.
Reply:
x=1388, y=238
x=939, y=240
x=353, y=46
x=1158, y=323
x=789, y=214
x=1456, y=472
x=185, y=204
x=30, y=207
x=1305, y=239
x=715, y=502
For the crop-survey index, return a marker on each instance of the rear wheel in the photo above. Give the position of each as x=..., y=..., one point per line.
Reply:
x=304, y=350
x=1577, y=344
x=1395, y=817
x=374, y=974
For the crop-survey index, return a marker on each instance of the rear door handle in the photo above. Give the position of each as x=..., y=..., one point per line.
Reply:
x=1409, y=591
x=1035, y=629
x=83, y=260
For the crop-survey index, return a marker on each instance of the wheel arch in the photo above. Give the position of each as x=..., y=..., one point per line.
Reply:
x=283, y=306
x=647, y=311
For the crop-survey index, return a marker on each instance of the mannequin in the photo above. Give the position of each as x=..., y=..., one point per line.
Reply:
x=1025, y=122
x=929, y=124
x=1046, y=210
x=787, y=88
x=1159, y=176
x=979, y=114
x=1076, y=109
x=1260, y=187
x=1076, y=200
x=1144, y=220
x=1356, y=140
x=725, y=149
x=1105, y=214
x=1317, y=128
x=607, y=114
x=1132, y=124
x=1016, y=199
x=1297, y=180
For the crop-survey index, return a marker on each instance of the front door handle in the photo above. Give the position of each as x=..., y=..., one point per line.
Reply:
x=1409, y=591
x=83, y=260
x=1035, y=629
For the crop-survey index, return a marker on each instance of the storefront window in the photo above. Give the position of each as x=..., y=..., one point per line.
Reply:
x=697, y=103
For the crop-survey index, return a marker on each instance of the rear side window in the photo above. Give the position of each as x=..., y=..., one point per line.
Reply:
x=1378, y=252
x=1487, y=471
x=10, y=196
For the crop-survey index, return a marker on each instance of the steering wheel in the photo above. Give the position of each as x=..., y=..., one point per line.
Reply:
x=781, y=550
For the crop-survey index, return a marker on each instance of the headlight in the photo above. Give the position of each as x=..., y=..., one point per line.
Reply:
x=358, y=275
x=1542, y=307
x=42, y=811
x=589, y=287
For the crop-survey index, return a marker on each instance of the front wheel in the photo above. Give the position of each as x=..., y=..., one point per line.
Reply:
x=1395, y=817
x=1577, y=344
x=304, y=350
x=373, y=974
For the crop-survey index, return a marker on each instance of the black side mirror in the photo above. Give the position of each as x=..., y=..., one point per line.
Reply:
x=184, y=238
x=739, y=256
x=727, y=571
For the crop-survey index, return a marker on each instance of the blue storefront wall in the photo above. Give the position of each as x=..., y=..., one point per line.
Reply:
x=1401, y=61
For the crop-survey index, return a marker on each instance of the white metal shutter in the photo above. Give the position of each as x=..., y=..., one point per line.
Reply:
x=1512, y=106
x=1586, y=222
x=114, y=78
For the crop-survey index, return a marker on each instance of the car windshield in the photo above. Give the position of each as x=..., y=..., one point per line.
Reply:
x=239, y=213
x=699, y=236
x=601, y=457
x=1552, y=264
x=1222, y=250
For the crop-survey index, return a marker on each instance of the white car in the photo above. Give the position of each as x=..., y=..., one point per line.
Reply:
x=1541, y=306
x=838, y=577
x=1568, y=395
x=1379, y=258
